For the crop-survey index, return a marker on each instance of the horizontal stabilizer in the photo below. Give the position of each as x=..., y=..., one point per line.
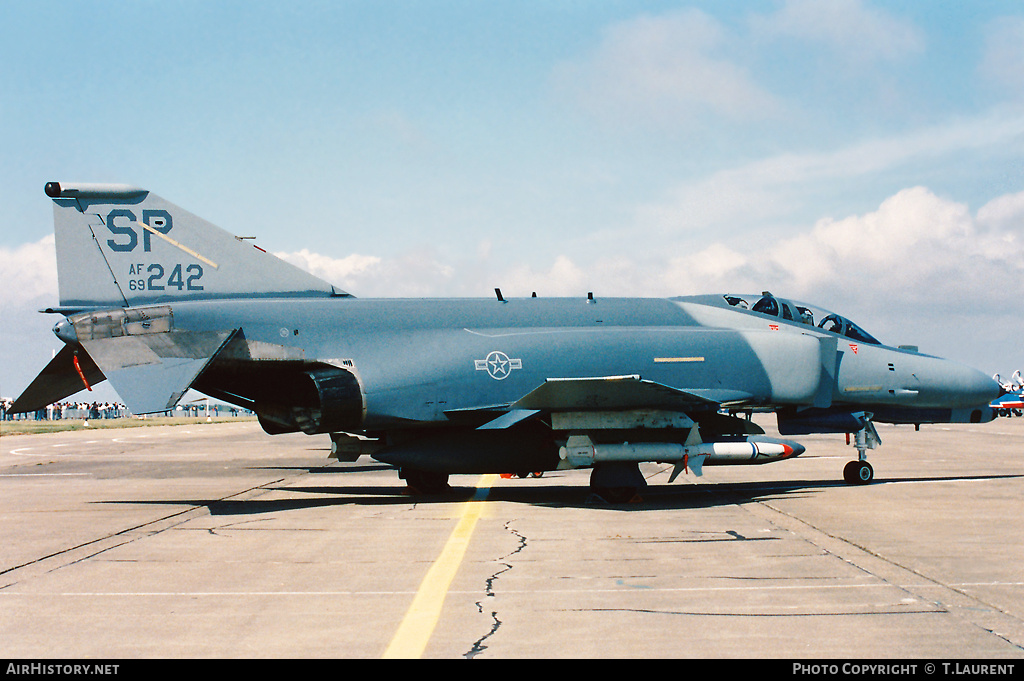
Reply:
x=61, y=378
x=152, y=371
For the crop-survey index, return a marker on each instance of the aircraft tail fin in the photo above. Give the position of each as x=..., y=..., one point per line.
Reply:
x=121, y=246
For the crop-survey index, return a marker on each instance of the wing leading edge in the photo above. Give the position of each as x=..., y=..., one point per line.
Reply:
x=603, y=393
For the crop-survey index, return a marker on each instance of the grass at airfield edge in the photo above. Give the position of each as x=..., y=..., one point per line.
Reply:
x=27, y=427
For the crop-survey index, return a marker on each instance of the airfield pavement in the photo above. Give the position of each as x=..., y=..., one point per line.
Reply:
x=217, y=541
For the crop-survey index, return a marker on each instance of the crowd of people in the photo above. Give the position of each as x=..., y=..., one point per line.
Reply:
x=103, y=410
x=67, y=410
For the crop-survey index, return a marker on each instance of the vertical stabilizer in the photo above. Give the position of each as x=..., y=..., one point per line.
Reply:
x=120, y=246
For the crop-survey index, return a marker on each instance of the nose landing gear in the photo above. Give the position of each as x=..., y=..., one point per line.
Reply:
x=860, y=472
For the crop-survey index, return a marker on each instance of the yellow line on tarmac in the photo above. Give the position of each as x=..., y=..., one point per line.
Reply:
x=414, y=633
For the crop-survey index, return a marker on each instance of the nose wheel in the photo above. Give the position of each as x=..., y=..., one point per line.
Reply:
x=860, y=472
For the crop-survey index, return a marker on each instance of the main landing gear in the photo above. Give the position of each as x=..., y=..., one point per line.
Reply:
x=860, y=472
x=425, y=482
x=617, y=482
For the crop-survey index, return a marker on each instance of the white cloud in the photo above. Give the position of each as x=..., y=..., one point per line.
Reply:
x=1004, y=214
x=917, y=251
x=911, y=237
x=28, y=274
x=921, y=270
x=410, y=274
x=777, y=186
x=685, y=66
x=28, y=281
x=848, y=27
x=342, y=272
x=563, y=278
x=662, y=69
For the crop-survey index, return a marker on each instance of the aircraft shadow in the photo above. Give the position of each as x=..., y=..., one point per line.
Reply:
x=653, y=498
x=331, y=470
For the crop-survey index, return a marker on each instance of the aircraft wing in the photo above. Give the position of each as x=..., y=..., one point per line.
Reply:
x=607, y=393
x=618, y=392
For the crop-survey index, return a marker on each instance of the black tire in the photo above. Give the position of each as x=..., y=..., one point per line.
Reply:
x=858, y=473
x=426, y=482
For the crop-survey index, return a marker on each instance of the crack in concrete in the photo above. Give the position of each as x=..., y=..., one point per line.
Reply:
x=478, y=645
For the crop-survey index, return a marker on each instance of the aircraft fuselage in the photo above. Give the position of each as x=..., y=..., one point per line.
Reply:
x=416, y=360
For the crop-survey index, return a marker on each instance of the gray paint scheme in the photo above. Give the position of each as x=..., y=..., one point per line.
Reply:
x=158, y=300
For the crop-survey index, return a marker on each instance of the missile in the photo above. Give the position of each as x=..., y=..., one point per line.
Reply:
x=580, y=451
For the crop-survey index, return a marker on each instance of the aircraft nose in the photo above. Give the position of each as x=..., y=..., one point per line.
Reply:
x=974, y=388
x=949, y=385
x=987, y=389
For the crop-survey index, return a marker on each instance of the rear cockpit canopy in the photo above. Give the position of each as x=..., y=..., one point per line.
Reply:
x=792, y=311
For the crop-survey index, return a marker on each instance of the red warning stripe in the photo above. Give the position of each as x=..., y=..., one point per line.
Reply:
x=74, y=358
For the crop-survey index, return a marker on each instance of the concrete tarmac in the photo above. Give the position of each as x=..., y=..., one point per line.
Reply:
x=218, y=541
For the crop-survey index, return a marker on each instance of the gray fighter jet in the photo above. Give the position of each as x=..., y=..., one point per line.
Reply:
x=158, y=301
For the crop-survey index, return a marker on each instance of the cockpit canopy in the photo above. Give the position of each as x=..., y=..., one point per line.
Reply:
x=792, y=311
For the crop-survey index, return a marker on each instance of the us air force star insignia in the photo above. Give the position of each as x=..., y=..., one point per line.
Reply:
x=497, y=365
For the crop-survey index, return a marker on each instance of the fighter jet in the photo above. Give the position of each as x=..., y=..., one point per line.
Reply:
x=1011, y=403
x=158, y=301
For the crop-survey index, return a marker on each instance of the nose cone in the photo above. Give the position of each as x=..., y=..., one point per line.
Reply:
x=790, y=448
x=963, y=387
x=985, y=389
x=794, y=449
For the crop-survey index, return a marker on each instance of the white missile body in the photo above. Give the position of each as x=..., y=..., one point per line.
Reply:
x=580, y=451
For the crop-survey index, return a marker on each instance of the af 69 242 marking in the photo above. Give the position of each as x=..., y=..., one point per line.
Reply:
x=144, y=277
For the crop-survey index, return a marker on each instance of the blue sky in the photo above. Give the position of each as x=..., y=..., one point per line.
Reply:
x=864, y=156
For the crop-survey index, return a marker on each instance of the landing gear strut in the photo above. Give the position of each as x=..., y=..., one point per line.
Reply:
x=860, y=472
